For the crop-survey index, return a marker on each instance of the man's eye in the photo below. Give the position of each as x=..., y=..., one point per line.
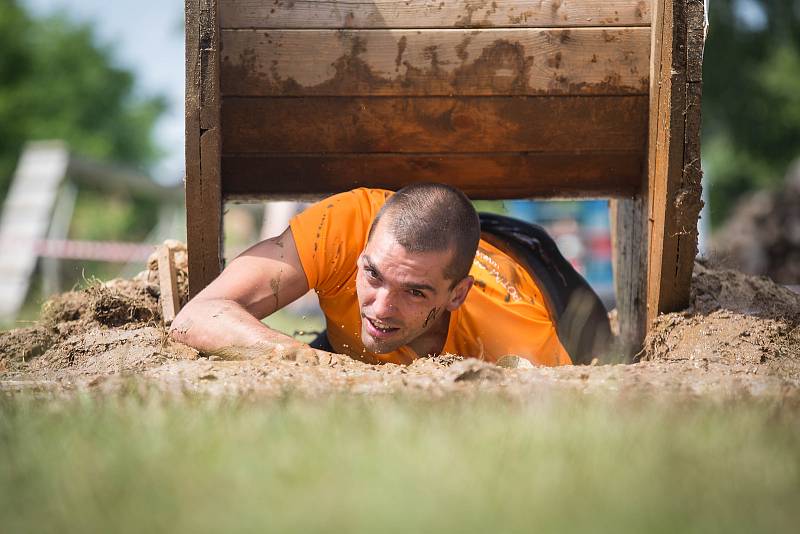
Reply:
x=370, y=272
x=416, y=293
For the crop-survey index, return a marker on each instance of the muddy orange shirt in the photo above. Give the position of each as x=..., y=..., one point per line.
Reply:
x=504, y=312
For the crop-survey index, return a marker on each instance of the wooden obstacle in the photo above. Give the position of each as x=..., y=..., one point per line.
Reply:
x=504, y=99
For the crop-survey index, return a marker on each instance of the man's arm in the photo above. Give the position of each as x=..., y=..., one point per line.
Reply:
x=225, y=317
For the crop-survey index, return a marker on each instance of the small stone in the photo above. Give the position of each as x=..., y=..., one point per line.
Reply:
x=473, y=369
x=512, y=361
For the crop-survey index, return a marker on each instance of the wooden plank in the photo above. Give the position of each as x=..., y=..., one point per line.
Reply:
x=192, y=141
x=581, y=61
x=695, y=40
x=168, y=283
x=432, y=13
x=673, y=161
x=431, y=125
x=203, y=188
x=629, y=243
x=483, y=176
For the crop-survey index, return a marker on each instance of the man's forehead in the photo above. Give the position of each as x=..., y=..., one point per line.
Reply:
x=409, y=268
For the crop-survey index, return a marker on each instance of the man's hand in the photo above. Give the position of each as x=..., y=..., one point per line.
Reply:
x=225, y=318
x=294, y=351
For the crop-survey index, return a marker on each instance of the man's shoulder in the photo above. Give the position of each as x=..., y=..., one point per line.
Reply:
x=367, y=195
x=361, y=204
x=330, y=234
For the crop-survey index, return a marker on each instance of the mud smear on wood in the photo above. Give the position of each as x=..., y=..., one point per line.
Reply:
x=401, y=48
x=502, y=68
x=433, y=14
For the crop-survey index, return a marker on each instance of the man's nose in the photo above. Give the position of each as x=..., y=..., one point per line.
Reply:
x=384, y=305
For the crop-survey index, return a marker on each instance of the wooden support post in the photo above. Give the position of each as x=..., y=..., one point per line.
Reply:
x=628, y=229
x=203, y=162
x=168, y=283
x=673, y=185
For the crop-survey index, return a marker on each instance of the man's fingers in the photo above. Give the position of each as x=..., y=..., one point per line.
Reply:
x=300, y=353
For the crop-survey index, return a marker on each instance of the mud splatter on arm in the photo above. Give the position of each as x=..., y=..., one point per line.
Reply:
x=275, y=285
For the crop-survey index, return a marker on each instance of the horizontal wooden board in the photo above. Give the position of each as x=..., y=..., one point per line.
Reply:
x=436, y=62
x=432, y=13
x=433, y=124
x=483, y=176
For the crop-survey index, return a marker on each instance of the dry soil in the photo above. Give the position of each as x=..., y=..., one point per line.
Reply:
x=739, y=338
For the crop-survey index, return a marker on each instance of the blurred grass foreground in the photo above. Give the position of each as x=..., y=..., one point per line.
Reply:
x=478, y=464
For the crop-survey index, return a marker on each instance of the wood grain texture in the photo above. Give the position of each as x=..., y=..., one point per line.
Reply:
x=482, y=176
x=192, y=102
x=436, y=62
x=629, y=244
x=432, y=13
x=430, y=125
x=168, y=284
x=674, y=173
x=203, y=144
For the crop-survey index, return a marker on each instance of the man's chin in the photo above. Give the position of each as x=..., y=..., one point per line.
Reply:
x=380, y=346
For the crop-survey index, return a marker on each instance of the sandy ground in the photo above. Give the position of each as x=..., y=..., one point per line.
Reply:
x=740, y=338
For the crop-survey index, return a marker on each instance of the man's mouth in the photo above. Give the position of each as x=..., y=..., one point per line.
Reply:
x=379, y=329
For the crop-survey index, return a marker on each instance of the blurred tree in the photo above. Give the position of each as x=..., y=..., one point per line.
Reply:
x=751, y=97
x=56, y=82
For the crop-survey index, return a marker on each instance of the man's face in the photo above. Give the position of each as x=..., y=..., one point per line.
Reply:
x=402, y=295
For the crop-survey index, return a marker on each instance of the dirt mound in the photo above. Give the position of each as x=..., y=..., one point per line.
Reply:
x=762, y=235
x=733, y=319
x=722, y=289
x=740, y=337
x=113, y=304
x=69, y=322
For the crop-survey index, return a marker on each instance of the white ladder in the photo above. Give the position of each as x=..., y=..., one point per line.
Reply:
x=26, y=217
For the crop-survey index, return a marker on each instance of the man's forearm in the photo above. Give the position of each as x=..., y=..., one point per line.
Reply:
x=225, y=328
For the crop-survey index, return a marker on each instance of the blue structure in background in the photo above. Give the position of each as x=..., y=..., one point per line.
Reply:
x=582, y=231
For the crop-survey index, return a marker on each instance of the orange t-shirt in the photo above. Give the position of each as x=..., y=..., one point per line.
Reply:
x=504, y=312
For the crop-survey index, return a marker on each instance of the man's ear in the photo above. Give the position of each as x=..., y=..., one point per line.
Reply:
x=459, y=293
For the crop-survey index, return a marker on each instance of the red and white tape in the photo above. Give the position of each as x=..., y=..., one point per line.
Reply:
x=110, y=251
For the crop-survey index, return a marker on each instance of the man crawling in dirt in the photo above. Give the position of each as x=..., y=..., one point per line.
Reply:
x=399, y=276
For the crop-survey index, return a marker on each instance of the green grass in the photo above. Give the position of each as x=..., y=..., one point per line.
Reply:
x=561, y=464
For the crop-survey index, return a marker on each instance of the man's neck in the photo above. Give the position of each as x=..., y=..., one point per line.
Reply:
x=433, y=340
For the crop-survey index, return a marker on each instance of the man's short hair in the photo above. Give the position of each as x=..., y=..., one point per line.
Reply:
x=432, y=217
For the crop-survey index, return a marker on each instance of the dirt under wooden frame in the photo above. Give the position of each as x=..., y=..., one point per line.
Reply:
x=739, y=338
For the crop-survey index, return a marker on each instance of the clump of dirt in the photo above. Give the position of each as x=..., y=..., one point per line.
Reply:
x=734, y=319
x=25, y=343
x=124, y=302
x=65, y=308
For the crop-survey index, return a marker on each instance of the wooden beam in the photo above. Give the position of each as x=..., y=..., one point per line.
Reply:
x=582, y=61
x=629, y=244
x=433, y=125
x=674, y=173
x=168, y=283
x=203, y=187
x=432, y=13
x=119, y=179
x=480, y=175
